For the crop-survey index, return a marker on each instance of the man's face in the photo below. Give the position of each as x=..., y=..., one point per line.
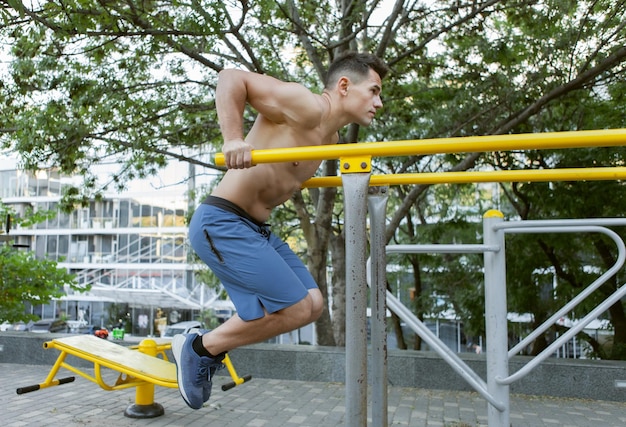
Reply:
x=364, y=98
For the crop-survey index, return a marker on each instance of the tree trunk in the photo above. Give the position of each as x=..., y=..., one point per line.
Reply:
x=417, y=276
x=618, y=320
x=397, y=327
x=318, y=234
x=538, y=345
x=317, y=267
x=338, y=308
x=616, y=311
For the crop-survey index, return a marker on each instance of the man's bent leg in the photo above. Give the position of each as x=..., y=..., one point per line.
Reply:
x=236, y=332
x=195, y=371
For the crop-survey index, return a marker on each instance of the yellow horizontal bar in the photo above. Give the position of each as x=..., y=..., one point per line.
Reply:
x=531, y=175
x=468, y=144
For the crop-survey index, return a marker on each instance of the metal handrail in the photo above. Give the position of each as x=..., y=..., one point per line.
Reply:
x=593, y=314
x=518, y=227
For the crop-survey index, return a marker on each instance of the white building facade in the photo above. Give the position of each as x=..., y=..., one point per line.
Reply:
x=132, y=254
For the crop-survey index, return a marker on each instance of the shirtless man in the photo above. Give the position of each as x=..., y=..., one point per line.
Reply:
x=269, y=285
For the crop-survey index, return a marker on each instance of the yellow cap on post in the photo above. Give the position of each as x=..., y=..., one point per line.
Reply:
x=493, y=213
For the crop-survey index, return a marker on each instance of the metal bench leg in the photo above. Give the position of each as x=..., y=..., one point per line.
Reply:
x=145, y=406
x=237, y=380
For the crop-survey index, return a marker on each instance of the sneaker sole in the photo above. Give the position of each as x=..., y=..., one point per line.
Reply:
x=177, y=352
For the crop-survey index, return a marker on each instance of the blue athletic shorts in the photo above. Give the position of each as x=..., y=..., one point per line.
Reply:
x=259, y=271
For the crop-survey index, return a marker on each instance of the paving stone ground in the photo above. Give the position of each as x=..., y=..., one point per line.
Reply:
x=274, y=403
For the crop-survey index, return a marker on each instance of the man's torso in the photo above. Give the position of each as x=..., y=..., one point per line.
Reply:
x=260, y=188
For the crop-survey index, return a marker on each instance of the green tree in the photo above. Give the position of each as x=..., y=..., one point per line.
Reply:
x=541, y=66
x=133, y=82
x=23, y=278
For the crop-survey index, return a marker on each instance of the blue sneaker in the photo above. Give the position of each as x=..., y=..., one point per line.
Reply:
x=194, y=372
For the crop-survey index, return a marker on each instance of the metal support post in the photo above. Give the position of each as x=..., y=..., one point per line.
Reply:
x=145, y=406
x=355, y=192
x=377, y=208
x=496, y=319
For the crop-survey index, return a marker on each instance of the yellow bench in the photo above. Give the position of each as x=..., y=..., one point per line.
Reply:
x=140, y=369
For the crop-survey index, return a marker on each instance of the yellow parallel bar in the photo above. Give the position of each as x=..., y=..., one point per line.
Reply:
x=469, y=144
x=531, y=175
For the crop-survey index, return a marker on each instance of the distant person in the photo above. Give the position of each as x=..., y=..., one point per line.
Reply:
x=269, y=285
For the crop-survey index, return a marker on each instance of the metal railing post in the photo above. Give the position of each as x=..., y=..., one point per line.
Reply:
x=355, y=193
x=377, y=208
x=496, y=320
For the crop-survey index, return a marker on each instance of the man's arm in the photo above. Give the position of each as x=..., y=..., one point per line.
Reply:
x=277, y=101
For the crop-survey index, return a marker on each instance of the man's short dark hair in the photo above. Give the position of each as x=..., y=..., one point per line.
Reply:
x=356, y=65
